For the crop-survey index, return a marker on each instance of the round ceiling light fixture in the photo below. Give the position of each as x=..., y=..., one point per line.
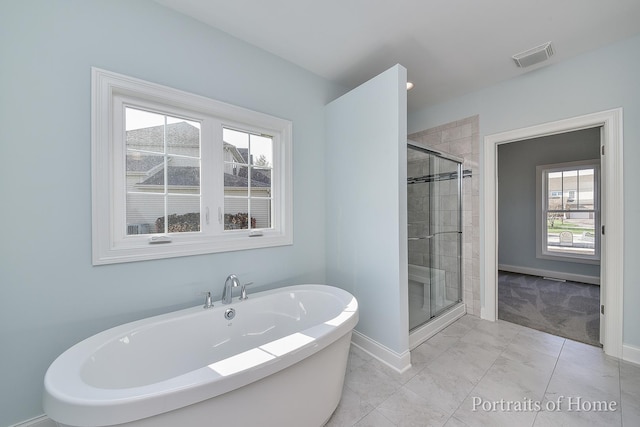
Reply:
x=409, y=85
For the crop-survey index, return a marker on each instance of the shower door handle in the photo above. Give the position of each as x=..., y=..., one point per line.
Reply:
x=431, y=236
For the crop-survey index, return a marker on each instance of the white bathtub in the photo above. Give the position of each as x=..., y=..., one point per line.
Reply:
x=281, y=361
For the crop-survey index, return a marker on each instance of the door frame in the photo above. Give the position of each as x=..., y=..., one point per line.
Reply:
x=612, y=243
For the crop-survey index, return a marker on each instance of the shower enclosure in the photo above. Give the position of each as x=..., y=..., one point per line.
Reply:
x=434, y=194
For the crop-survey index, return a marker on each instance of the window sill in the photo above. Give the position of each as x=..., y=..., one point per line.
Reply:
x=142, y=250
x=569, y=258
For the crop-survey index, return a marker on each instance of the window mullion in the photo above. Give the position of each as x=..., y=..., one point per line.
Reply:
x=166, y=176
x=562, y=187
x=578, y=187
x=211, y=181
x=249, y=187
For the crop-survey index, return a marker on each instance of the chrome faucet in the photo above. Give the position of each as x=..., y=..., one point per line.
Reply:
x=231, y=282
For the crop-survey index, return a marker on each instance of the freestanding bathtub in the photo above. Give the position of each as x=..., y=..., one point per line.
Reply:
x=280, y=361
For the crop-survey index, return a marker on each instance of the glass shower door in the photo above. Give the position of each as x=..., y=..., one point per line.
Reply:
x=435, y=239
x=446, y=240
x=418, y=206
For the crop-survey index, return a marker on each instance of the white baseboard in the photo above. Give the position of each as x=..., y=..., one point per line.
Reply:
x=41, y=421
x=594, y=280
x=631, y=354
x=398, y=362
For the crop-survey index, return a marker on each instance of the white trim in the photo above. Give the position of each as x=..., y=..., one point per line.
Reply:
x=631, y=354
x=41, y=421
x=594, y=280
x=612, y=214
x=399, y=362
x=426, y=331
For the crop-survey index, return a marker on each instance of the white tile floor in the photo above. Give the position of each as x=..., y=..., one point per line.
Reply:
x=503, y=371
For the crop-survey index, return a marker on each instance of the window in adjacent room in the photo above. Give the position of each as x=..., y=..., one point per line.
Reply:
x=178, y=174
x=569, y=211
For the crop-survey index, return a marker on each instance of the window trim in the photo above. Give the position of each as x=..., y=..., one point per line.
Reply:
x=107, y=246
x=542, y=193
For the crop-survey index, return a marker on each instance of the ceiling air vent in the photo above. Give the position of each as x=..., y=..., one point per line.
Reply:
x=533, y=56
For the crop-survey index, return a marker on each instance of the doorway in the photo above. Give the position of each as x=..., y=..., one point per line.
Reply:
x=549, y=251
x=611, y=274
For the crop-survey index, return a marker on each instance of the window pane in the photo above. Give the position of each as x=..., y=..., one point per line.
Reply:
x=236, y=215
x=261, y=211
x=586, y=181
x=184, y=214
x=260, y=182
x=236, y=146
x=145, y=130
x=183, y=175
x=261, y=150
x=142, y=212
x=236, y=173
x=183, y=137
x=571, y=232
x=237, y=183
x=145, y=172
x=554, y=187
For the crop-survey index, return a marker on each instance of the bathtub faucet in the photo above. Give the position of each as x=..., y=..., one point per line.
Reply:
x=231, y=282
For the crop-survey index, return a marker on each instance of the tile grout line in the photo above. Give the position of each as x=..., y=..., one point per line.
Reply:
x=489, y=368
x=426, y=365
x=620, y=385
x=465, y=398
x=483, y=375
x=544, y=393
x=362, y=417
x=402, y=386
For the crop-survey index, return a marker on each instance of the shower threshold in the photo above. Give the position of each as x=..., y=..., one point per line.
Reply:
x=422, y=333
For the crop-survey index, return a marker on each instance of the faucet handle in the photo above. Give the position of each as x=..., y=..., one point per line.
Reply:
x=207, y=300
x=243, y=291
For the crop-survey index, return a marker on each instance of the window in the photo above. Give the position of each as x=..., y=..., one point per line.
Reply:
x=569, y=213
x=178, y=174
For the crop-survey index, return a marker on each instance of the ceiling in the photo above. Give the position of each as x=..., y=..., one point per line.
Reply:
x=449, y=47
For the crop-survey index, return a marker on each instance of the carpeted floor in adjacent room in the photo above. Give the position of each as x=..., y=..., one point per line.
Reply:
x=567, y=309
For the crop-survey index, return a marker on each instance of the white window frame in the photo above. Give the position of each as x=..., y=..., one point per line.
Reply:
x=110, y=244
x=541, y=212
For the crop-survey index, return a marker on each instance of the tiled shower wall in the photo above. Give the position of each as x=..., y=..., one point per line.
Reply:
x=461, y=138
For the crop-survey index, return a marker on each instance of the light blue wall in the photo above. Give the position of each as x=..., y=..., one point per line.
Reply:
x=600, y=80
x=517, y=208
x=366, y=205
x=50, y=295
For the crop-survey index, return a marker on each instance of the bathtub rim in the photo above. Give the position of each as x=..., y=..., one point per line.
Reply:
x=67, y=399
